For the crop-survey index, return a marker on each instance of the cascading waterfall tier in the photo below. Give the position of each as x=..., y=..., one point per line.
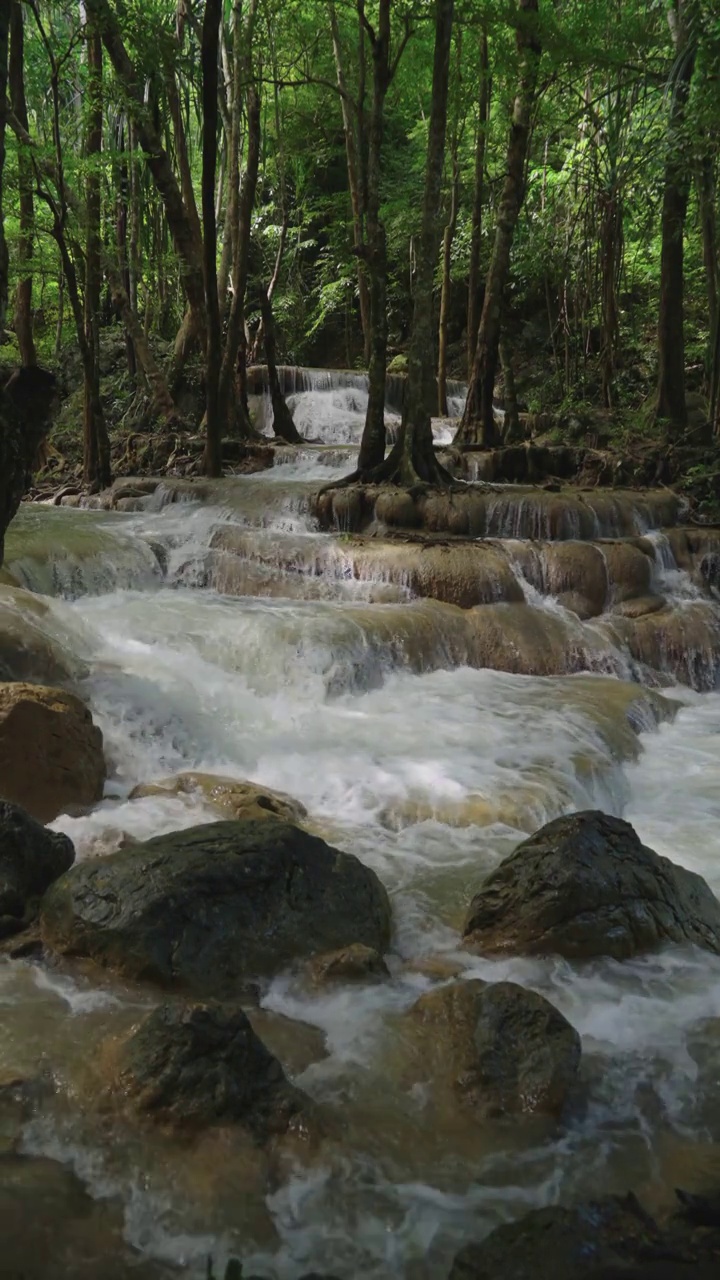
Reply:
x=430, y=699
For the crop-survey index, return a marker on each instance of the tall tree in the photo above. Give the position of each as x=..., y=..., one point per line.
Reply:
x=209, y=55
x=23, y=296
x=374, y=251
x=682, y=17
x=412, y=458
x=239, y=220
x=354, y=157
x=478, y=422
x=96, y=467
x=473, y=307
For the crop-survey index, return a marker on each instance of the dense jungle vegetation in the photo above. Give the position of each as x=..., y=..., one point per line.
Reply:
x=515, y=192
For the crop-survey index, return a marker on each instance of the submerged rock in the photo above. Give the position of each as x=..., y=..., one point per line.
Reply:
x=30, y=859
x=207, y=908
x=51, y=752
x=563, y=1243
x=356, y=963
x=27, y=650
x=585, y=886
x=232, y=796
x=203, y=1064
x=504, y=1049
x=54, y=1229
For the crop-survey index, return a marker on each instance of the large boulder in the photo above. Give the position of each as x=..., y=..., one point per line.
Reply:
x=504, y=1049
x=203, y=1064
x=51, y=752
x=206, y=908
x=233, y=797
x=564, y=1244
x=30, y=859
x=585, y=886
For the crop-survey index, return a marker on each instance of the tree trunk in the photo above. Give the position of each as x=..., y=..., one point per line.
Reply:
x=671, y=337
x=162, y=399
x=5, y=16
x=60, y=316
x=283, y=426
x=209, y=55
x=448, y=237
x=23, y=296
x=356, y=194
x=372, y=447
x=478, y=422
x=134, y=255
x=511, y=425
x=412, y=458
x=473, y=311
x=182, y=229
x=708, y=223
x=258, y=339
x=233, y=166
x=607, y=197
x=122, y=241
x=234, y=358
x=96, y=447
x=181, y=149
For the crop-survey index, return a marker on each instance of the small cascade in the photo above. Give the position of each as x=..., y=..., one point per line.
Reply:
x=668, y=578
x=73, y=553
x=329, y=405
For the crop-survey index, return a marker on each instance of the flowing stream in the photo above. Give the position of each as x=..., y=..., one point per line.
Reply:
x=358, y=699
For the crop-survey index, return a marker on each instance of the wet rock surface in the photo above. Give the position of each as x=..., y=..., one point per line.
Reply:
x=608, y=1239
x=202, y=1064
x=356, y=963
x=505, y=1050
x=585, y=886
x=51, y=752
x=231, y=796
x=31, y=858
x=27, y=651
x=52, y=1229
x=207, y=908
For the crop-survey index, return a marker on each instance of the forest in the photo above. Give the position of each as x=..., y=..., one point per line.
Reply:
x=517, y=195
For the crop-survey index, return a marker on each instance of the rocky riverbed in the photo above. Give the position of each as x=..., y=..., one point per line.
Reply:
x=312, y=966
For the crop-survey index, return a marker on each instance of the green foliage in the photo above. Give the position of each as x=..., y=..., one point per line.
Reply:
x=599, y=142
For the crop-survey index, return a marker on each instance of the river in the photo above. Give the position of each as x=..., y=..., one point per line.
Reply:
x=354, y=698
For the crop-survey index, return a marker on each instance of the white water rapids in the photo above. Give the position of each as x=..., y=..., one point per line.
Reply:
x=430, y=772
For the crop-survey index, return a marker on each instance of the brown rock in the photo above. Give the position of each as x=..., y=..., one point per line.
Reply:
x=577, y=572
x=51, y=752
x=356, y=963
x=505, y=1049
x=230, y=796
x=629, y=570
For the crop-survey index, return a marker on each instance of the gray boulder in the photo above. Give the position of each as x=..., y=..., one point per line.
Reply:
x=203, y=1064
x=207, y=908
x=585, y=886
x=31, y=857
x=504, y=1049
x=564, y=1244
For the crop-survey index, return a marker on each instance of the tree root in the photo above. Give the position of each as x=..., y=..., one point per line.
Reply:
x=401, y=472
